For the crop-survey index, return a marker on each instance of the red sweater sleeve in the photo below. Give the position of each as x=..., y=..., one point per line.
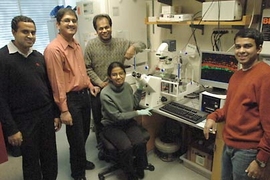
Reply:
x=247, y=111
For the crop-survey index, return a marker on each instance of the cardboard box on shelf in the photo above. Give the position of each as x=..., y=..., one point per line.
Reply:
x=152, y=19
x=201, y=153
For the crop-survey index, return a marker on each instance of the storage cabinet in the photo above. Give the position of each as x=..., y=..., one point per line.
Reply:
x=219, y=143
x=3, y=152
x=152, y=124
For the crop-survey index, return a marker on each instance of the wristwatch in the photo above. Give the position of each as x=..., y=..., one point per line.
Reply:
x=260, y=163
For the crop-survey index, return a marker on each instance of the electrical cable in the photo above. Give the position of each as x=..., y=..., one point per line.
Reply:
x=196, y=43
x=213, y=41
x=216, y=39
x=219, y=40
x=194, y=29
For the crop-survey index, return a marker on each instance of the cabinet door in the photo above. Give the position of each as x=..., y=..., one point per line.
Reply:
x=216, y=169
x=152, y=124
x=3, y=152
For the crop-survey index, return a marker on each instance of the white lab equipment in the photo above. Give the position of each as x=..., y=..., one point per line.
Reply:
x=177, y=90
x=162, y=50
x=158, y=90
x=52, y=29
x=165, y=59
x=152, y=90
x=151, y=87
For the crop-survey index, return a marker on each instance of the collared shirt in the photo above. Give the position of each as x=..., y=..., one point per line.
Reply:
x=66, y=69
x=13, y=49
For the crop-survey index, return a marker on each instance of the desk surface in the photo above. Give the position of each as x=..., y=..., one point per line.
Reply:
x=194, y=103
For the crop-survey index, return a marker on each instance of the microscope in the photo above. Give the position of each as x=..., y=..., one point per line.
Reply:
x=165, y=54
x=165, y=86
x=153, y=96
x=175, y=71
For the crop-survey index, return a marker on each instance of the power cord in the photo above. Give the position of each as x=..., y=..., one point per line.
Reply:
x=216, y=39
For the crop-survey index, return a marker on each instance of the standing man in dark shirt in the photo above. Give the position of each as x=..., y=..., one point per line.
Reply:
x=27, y=109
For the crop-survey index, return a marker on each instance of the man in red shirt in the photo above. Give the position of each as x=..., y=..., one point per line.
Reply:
x=246, y=112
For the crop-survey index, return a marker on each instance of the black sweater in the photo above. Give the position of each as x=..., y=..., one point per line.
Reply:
x=25, y=91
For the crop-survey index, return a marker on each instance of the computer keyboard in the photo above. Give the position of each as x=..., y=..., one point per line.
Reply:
x=187, y=113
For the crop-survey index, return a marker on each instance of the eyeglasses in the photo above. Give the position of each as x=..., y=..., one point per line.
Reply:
x=74, y=21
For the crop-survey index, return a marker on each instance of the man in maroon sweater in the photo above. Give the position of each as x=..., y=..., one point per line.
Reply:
x=246, y=112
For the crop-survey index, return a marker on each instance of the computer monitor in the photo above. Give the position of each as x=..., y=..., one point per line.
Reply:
x=216, y=69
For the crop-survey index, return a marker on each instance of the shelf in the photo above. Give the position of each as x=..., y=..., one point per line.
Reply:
x=158, y=22
x=245, y=21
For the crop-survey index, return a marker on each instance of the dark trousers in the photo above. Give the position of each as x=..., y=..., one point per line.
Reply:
x=129, y=140
x=97, y=115
x=39, y=155
x=77, y=134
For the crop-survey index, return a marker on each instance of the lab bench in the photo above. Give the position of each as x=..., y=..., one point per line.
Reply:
x=155, y=122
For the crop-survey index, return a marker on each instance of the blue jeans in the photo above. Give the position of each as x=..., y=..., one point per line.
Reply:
x=235, y=162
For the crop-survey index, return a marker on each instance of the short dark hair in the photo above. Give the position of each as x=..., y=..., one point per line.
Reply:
x=100, y=16
x=113, y=65
x=251, y=33
x=61, y=12
x=15, y=21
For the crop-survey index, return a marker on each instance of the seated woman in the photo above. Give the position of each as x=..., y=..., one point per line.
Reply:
x=118, y=110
